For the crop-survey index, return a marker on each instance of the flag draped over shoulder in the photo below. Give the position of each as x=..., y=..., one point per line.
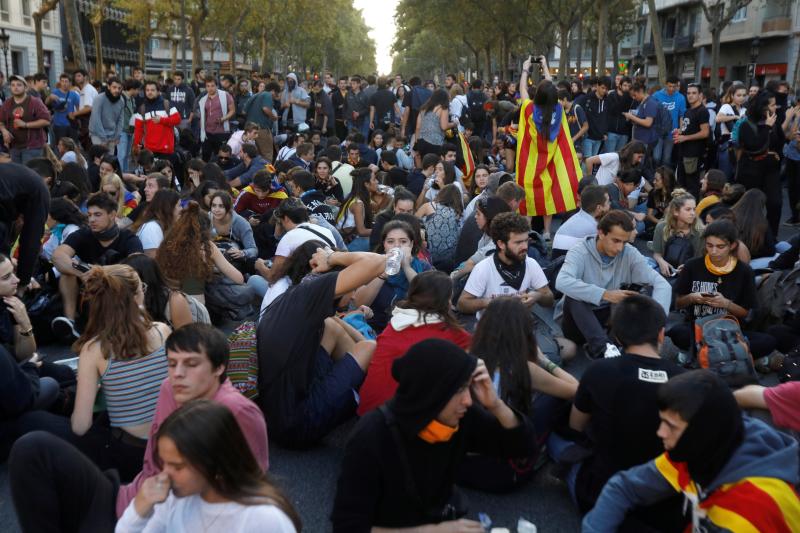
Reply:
x=464, y=159
x=548, y=169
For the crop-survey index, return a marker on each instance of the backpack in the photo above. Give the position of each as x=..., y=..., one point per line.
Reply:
x=663, y=120
x=678, y=250
x=736, y=127
x=722, y=348
x=243, y=361
x=196, y=308
x=474, y=109
x=419, y=95
x=778, y=297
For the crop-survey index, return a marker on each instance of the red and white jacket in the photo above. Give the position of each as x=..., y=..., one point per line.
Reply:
x=159, y=137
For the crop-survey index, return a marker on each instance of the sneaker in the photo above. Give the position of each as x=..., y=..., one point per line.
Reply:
x=611, y=351
x=64, y=328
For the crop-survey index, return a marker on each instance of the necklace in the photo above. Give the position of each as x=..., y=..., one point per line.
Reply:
x=203, y=520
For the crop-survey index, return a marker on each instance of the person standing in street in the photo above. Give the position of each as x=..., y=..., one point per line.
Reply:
x=108, y=114
x=23, y=120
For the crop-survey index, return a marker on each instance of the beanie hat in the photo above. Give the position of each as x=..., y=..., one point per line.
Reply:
x=428, y=375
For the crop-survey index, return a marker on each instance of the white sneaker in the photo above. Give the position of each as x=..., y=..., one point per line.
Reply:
x=611, y=351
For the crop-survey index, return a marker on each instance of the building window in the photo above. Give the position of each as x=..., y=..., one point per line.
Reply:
x=4, y=14
x=155, y=44
x=46, y=20
x=740, y=15
x=26, y=12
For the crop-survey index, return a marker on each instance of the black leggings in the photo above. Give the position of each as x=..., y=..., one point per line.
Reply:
x=761, y=344
x=56, y=488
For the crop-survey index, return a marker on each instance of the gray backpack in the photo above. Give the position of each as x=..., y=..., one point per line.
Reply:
x=778, y=297
x=722, y=347
x=199, y=312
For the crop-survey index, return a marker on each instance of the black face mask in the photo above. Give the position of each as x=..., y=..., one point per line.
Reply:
x=108, y=234
x=292, y=84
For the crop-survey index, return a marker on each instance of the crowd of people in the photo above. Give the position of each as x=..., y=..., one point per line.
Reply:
x=367, y=241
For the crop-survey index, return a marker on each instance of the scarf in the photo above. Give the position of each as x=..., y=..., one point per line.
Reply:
x=111, y=98
x=154, y=105
x=720, y=271
x=107, y=234
x=512, y=274
x=436, y=432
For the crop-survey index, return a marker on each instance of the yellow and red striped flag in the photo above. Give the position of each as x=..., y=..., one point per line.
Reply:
x=548, y=170
x=466, y=161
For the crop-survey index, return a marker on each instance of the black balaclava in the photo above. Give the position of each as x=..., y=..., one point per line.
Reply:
x=714, y=432
x=111, y=98
x=428, y=375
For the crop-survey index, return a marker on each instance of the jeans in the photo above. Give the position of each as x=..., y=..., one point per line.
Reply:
x=23, y=155
x=57, y=488
x=615, y=142
x=359, y=244
x=124, y=150
x=591, y=147
x=663, y=152
x=793, y=185
x=557, y=446
x=592, y=320
x=259, y=285
x=724, y=162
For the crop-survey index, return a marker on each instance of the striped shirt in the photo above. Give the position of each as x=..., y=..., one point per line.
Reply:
x=131, y=388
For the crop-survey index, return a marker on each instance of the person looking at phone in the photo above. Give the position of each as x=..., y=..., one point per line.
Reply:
x=227, y=224
x=759, y=164
x=101, y=243
x=593, y=278
x=400, y=464
x=718, y=284
x=678, y=237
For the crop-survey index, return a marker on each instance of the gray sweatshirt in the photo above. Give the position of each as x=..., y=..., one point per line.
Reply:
x=585, y=277
x=107, y=118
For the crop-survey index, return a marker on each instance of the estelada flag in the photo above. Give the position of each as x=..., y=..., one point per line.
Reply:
x=548, y=169
x=464, y=159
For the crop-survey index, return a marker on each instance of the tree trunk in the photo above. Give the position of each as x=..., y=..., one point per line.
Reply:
x=563, y=60
x=796, y=71
x=504, y=72
x=197, y=50
x=579, y=57
x=98, y=51
x=72, y=22
x=173, y=60
x=142, y=50
x=715, y=36
x=593, y=71
x=614, y=57
x=264, y=58
x=37, y=29
x=232, y=54
x=657, y=44
x=488, y=76
x=602, y=28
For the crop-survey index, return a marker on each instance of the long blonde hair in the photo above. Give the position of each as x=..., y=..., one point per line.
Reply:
x=116, y=321
x=679, y=198
x=116, y=181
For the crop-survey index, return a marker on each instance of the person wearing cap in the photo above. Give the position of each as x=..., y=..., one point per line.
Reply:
x=400, y=464
x=735, y=472
x=23, y=120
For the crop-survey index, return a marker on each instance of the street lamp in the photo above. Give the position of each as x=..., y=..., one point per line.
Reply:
x=4, y=39
x=755, y=47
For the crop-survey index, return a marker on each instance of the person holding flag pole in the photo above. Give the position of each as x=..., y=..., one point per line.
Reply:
x=547, y=167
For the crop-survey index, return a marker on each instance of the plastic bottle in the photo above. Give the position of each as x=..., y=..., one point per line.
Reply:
x=394, y=260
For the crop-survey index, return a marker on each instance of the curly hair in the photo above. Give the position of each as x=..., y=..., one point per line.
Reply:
x=186, y=249
x=115, y=319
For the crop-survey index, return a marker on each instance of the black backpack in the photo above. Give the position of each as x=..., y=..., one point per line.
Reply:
x=474, y=109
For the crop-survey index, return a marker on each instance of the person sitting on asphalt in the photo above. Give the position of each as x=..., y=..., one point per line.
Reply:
x=311, y=364
x=242, y=174
x=601, y=271
x=81, y=495
x=722, y=462
x=621, y=431
x=594, y=205
x=400, y=464
x=101, y=243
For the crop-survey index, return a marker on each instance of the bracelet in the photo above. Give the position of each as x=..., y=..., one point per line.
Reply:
x=27, y=333
x=328, y=253
x=550, y=366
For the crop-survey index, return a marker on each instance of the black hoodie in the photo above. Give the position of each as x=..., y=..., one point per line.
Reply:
x=375, y=489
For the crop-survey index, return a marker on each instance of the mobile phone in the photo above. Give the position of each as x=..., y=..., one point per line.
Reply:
x=80, y=266
x=708, y=294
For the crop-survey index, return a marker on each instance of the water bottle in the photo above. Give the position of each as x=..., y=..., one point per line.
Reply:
x=394, y=260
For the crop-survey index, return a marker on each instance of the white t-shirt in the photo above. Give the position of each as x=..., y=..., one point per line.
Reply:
x=609, y=166
x=727, y=109
x=299, y=235
x=88, y=94
x=151, y=235
x=485, y=282
x=190, y=514
x=274, y=290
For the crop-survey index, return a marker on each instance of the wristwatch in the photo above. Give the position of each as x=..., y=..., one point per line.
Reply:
x=27, y=333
